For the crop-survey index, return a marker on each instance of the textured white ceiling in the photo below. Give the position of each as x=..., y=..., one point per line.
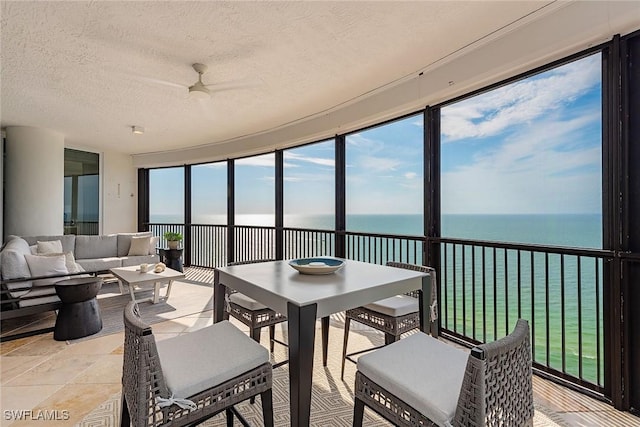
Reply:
x=91, y=70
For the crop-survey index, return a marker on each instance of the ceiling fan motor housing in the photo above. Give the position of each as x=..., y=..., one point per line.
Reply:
x=198, y=89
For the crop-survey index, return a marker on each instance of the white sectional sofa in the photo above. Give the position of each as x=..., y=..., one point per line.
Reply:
x=37, y=256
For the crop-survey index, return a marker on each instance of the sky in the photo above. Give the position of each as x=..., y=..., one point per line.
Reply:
x=531, y=147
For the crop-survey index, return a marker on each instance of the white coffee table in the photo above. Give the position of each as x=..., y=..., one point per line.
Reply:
x=135, y=280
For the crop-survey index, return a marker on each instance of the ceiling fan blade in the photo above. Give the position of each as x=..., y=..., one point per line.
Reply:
x=235, y=84
x=162, y=82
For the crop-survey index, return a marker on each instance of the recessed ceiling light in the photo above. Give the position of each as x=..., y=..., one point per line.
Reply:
x=138, y=130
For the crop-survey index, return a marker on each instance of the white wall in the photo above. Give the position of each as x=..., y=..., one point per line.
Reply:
x=34, y=189
x=34, y=202
x=119, y=193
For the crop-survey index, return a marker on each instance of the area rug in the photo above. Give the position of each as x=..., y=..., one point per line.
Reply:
x=330, y=407
x=332, y=398
x=187, y=298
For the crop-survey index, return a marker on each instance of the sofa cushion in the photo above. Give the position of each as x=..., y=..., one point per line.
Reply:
x=99, y=264
x=42, y=265
x=91, y=247
x=68, y=241
x=128, y=261
x=124, y=241
x=13, y=263
x=40, y=291
x=29, y=302
x=49, y=247
x=17, y=289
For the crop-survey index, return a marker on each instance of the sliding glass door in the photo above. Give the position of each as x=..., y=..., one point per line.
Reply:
x=81, y=192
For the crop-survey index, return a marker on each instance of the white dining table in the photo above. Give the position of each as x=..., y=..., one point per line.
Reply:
x=305, y=298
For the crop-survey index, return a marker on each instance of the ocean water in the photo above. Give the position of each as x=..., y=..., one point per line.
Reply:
x=480, y=297
x=573, y=230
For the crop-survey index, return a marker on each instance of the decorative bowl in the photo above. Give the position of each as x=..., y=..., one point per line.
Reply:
x=317, y=265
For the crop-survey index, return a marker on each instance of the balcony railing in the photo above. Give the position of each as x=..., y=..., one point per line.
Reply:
x=484, y=287
x=487, y=286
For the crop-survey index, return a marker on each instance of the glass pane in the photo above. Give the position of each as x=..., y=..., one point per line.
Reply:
x=166, y=195
x=309, y=186
x=385, y=178
x=255, y=190
x=81, y=192
x=209, y=193
x=523, y=163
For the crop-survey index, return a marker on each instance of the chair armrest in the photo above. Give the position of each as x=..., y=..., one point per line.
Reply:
x=478, y=353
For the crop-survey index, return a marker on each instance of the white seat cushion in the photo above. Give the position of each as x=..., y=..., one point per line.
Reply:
x=395, y=306
x=99, y=264
x=422, y=371
x=246, y=302
x=208, y=357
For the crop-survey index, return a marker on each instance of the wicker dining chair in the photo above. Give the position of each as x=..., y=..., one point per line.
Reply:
x=189, y=378
x=394, y=316
x=252, y=313
x=420, y=381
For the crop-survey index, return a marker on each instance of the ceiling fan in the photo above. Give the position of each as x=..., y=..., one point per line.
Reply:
x=199, y=89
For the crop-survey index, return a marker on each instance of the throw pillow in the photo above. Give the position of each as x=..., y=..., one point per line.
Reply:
x=153, y=242
x=50, y=247
x=69, y=262
x=139, y=246
x=33, y=249
x=47, y=266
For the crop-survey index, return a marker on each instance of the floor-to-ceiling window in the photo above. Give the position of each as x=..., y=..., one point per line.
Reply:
x=255, y=190
x=523, y=163
x=209, y=213
x=309, y=186
x=166, y=200
x=166, y=195
x=384, y=178
x=254, y=202
x=81, y=192
x=209, y=193
x=384, y=190
x=309, y=199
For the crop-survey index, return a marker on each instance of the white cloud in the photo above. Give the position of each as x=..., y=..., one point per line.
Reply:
x=372, y=164
x=488, y=114
x=411, y=175
x=541, y=171
x=216, y=165
x=358, y=141
x=314, y=160
x=264, y=160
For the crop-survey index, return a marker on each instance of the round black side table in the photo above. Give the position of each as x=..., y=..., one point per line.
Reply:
x=79, y=315
x=172, y=258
